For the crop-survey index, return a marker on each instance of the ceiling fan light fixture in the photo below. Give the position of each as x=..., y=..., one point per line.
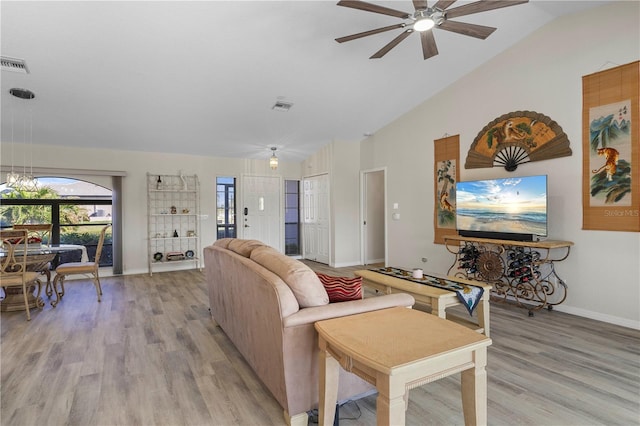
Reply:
x=423, y=21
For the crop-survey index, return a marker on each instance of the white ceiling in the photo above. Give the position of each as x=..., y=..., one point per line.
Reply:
x=201, y=77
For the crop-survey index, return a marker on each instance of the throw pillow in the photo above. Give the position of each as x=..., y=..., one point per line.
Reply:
x=341, y=289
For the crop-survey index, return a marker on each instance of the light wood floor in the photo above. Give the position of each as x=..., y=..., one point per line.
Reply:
x=150, y=354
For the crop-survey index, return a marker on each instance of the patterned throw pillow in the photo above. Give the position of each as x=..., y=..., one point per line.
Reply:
x=341, y=289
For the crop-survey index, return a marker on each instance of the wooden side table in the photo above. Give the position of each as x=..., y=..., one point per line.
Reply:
x=398, y=349
x=437, y=298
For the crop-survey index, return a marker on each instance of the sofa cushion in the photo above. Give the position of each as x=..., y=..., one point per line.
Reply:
x=243, y=247
x=341, y=289
x=303, y=282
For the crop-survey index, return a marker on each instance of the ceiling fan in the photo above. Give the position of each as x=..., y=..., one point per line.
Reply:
x=424, y=19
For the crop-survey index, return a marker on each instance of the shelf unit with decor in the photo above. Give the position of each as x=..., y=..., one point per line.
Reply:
x=521, y=272
x=173, y=221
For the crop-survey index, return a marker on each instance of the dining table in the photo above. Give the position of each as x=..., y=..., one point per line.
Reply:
x=40, y=258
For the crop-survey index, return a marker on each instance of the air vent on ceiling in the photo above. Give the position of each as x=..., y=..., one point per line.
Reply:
x=282, y=106
x=14, y=64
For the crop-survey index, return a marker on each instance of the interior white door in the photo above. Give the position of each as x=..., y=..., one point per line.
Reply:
x=315, y=218
x=261, y=214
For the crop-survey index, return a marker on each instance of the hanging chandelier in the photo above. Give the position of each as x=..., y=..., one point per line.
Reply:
x=273, y=160
x=25, y=181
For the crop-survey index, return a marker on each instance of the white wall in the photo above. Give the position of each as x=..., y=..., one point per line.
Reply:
x=136, y=165
x=345, y=203
x=340, y=159
x=543, y=73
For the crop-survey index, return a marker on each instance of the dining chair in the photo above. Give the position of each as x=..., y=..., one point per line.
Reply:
x=41, y=231
x=85, y=268
x=13, y=264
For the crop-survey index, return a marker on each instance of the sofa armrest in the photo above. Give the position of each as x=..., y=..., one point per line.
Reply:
x=340, y=309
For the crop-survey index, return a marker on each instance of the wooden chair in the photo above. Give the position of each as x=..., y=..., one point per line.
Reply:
x=13, y=264
x=41, y=231
x=38, y=230
x=73, y=268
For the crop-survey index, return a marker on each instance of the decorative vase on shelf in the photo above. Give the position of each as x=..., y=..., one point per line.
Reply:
x=175, y=233
x=159, y=183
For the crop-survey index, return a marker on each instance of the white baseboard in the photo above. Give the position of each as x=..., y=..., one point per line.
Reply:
x=624, y=322
x=345, y=264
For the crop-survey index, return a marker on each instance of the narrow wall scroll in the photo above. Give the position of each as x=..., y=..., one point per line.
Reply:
x=611, y=152
x=446, y=155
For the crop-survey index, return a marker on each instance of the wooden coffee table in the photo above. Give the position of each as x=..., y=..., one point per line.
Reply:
x=438, y=299
x=398, y=349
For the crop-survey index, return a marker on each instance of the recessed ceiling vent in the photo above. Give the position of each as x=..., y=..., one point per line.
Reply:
x=14, y=65
x=282, y=106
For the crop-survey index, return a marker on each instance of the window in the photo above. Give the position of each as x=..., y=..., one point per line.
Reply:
x=226, y=207
x=78, y=210
x=292, y=217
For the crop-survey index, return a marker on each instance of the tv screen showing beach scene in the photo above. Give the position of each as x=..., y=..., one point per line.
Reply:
x=515, y=205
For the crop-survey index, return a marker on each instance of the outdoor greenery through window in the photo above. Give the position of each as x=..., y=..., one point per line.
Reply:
x=78, y=211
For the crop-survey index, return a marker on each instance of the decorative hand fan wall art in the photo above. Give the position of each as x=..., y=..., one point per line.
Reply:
x=426, y=18
x=517, y=138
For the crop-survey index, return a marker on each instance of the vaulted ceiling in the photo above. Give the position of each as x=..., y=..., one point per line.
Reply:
x=202, y=77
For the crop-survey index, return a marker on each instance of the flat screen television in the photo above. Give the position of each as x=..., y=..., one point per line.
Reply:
x=507, y=209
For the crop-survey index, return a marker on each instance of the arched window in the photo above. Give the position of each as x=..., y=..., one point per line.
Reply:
x=77, y=209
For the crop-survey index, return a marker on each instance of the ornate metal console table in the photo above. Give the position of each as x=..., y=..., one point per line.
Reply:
x=520, y=272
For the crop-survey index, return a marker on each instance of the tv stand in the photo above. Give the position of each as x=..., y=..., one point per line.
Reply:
x=521, y=272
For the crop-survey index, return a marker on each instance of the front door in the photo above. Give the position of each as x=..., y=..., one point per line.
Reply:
x=261, y=213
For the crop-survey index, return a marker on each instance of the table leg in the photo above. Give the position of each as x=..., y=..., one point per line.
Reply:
x=483, y=313
x=392, y=400
x=438, y=308
x=474, y=390
x=328, y=378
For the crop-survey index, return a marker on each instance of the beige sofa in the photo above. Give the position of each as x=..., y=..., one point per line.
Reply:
x=267, y=304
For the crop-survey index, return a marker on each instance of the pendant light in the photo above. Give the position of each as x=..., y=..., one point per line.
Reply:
x=12, y=176
x=273, y=161
x=25, y=182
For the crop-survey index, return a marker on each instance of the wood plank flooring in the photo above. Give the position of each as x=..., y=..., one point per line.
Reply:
x=150, y=354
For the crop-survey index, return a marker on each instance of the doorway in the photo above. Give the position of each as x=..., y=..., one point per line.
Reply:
x=315, y=218
x=261, y=213
x=373, y=199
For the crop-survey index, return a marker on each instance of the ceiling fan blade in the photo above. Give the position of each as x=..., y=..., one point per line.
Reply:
x=368, y=7
x=370, y=32
x=429, y=47
x=472, y=30
x=420, y=4
x=393, y=43
x=481, y=6
x=443, y=4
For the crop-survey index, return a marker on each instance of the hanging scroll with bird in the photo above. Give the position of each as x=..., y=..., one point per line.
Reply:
x=517, y=138
x=446, y=153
